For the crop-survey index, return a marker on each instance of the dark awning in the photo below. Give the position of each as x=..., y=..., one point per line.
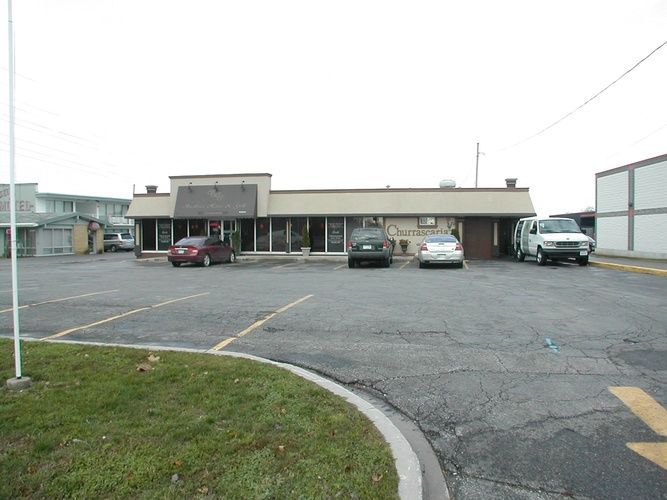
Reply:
x=216, y=201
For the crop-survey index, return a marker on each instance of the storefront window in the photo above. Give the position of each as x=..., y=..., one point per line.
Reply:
x=279, y=234
x=374, y=221
x=180, y=229
x=263, y=234
x=317, y=234
x=214, y=227
x=197, y=227
x=247, y=235
x=163, y=234
x=296, y=232
x=352, y=223
x=148, y=239
x=335, y=234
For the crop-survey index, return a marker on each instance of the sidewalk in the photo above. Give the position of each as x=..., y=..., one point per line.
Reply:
x=645, y=266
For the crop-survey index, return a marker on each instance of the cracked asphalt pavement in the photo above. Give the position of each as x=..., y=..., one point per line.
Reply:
x=460, y=352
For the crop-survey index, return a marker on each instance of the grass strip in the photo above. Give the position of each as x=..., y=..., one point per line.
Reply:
x=103, y=422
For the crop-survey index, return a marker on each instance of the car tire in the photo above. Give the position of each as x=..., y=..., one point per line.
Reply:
x=112, y=248
x=350, y=263
x=232, y=257
x=582, y=261
x=541, y=257
x=460, y=265
x=176, y=264
x=386, y=262
x=206, y=261
x=421, y=265
x=520, y=256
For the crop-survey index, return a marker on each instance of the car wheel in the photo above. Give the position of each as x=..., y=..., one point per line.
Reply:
x=421, y=265
x=386, y=262
x=232, y=257
x=541, y=258
x=112, y=248
x=520, y=256
x=350, y=263
x=176, y=264
x=583, y=261
x=207, y=260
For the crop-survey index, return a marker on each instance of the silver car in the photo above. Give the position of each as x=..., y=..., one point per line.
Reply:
x=440, y=249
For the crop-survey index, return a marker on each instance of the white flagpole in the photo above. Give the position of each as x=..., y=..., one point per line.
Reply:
x=12, y=198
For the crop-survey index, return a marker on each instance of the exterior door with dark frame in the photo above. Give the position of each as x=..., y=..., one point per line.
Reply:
x=478, y=237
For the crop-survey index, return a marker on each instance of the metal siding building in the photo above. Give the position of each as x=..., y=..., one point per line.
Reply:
x=632, y=209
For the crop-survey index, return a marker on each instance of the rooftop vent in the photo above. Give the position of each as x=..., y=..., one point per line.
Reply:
x=151, y=189
x=447, y=183
x=511, y=182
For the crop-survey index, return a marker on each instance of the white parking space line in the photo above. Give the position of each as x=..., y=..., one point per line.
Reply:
x=285, y=265
x=113, y=318
x=257, y=324
x=465, y=264
x=408, y=262
x=338, y=267
x=59, y=300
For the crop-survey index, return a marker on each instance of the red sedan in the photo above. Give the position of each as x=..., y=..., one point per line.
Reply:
x=200, y=250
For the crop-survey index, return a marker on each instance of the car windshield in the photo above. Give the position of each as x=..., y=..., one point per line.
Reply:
x=548, y=226
x=441, y=238
x=368, y=234
x=192, y=241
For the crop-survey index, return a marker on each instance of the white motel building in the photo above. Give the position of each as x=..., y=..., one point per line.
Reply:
x=271, y=222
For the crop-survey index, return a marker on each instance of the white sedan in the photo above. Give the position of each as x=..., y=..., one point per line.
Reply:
x=440, y=249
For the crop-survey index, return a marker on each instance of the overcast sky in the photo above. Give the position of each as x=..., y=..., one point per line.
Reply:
x=112, y=94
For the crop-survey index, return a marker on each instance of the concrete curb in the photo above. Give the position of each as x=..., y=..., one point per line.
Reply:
x=406, y=460
x=625, y=267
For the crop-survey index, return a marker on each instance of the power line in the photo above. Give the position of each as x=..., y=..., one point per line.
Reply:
x=587, y=101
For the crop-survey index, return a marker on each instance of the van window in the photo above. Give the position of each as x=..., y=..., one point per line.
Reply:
x=548, y=226
x=533, y=228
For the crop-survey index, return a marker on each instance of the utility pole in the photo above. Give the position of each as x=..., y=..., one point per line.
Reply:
x=476, y=165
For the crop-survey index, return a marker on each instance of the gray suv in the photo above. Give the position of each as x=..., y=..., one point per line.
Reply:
x=369, y=244
x=118, y=241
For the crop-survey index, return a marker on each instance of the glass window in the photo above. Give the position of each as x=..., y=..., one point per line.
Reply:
x=335, y=234
x=197, y=227
x=317, y=234
x=180, y=229
x=148, y=239
x=214, y=227
x=427, y=221
x=278, y=234
x=263, y=234
x=374, y=221
x=68, y=206
x=296, y=233
x=247, y=235
x=163, y=234
x=352, y=223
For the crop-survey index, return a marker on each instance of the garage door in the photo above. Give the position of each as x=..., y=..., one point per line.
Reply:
x=478, y=238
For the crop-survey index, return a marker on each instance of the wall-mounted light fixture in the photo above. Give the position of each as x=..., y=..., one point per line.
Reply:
x=189, y=186
x=242, y=185
x=215, y=186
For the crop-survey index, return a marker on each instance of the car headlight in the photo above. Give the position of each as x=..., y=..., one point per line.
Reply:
x=549, y=244
x=584, y=244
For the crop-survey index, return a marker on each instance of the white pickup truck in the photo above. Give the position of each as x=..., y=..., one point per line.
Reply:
x=550, y=238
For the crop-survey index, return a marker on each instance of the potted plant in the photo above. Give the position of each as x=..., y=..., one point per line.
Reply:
x=404, y=245
x=236, y=242
x=305, y=241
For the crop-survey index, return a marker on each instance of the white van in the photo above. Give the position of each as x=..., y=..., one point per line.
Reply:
x=550, y=238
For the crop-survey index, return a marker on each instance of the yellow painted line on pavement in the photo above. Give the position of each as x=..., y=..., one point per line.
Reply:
x=625, y=267
x=408, y=262
x=257, y=324
x=644, y=406
x=465, y=264
x=653, y=415
x=59, y=300
x=113, y=318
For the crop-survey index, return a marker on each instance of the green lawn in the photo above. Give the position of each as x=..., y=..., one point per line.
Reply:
x=190, y=426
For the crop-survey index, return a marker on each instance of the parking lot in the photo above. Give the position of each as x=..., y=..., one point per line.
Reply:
x=461, y=352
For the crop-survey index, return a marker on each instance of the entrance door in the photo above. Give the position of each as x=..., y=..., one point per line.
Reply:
x=478, y=238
